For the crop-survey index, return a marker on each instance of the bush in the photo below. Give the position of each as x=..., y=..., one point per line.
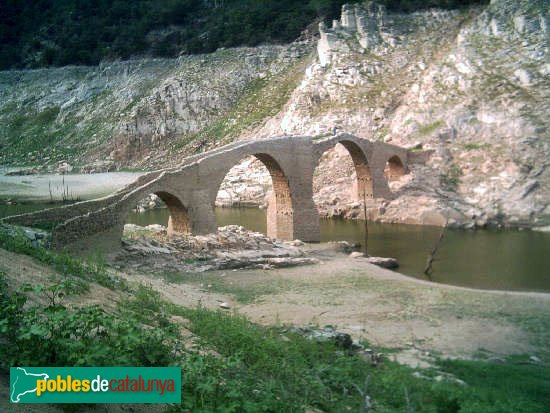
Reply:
x=54, y=335
x=451, y=178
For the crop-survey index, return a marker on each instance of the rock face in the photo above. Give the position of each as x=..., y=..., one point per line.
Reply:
x=189, y=100
x=134, y=113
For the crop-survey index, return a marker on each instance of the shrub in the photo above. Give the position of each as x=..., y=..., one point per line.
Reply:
x=54, y=335
x=451, y=178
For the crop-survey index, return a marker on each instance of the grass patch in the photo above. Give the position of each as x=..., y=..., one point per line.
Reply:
x=273, y=369
x=475, y=146
x=30, y=132
x=427, y=129
x=246, y=293
x=260, y=370
x=451, y=178
x=516, y=385
x=93, y=270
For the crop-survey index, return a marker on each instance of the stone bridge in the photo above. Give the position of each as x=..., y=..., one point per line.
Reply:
x=189, y=191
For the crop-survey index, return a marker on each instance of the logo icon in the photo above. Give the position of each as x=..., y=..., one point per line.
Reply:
x=95, y=385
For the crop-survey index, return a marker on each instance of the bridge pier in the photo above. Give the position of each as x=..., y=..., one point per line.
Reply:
x=201, y=212
x=306, y=221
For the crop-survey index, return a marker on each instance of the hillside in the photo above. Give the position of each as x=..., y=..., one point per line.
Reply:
x=123, y=113
x=46, y=33
x=470, y=86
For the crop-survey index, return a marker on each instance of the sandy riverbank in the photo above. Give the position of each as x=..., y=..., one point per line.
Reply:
x=385, y=308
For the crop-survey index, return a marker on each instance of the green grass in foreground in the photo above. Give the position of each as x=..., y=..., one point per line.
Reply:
x=238, y=366
x=265, y=372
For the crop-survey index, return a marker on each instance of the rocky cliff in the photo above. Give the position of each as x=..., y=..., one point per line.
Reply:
x=139, y=113
x=469, y=88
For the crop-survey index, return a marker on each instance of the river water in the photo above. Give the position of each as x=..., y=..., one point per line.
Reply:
x=488, y=259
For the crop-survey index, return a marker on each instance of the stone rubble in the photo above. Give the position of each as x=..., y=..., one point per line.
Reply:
x=233, y=247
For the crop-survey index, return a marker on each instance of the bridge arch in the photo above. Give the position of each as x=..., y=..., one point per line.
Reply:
x=178, y=221
x=280, y=207
x=363, y=184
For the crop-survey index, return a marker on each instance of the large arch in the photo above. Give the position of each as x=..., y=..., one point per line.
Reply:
x=280, y=209
x=363, y=186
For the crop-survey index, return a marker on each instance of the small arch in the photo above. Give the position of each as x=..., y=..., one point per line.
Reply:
x=394, y=169
x=178, y=221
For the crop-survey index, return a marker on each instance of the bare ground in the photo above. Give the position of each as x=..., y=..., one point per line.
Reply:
x=384, y=307
x=419, y=319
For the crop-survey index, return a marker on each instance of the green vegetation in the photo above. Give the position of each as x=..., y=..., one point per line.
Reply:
x=39, y=33
x=55, y=33
x=244, y=293
x=475, y=146
x=233, y=365
x=512, y=386
x=37, y=126
x=93, y=270
x=55, y=335
x=32, y=136
x=451, y=178
x=430, y=127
